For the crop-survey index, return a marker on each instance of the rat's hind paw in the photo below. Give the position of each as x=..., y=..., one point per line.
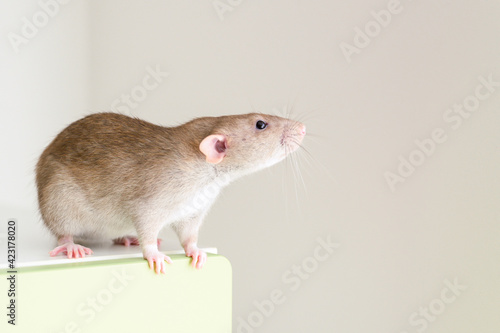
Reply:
x=72, y=250
x=127, y=241
x=130, y=240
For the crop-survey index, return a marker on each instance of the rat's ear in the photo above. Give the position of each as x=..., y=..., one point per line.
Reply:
x=214, y=148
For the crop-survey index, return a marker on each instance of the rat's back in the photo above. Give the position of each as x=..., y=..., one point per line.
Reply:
x=104, y=137
x=93, y=167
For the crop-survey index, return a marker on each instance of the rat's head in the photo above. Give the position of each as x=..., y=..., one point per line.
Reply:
x=251, y=142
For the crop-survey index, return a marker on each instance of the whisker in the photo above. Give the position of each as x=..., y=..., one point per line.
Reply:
x=299, y=173
x=306, y=116
x=295, y=182
x=285, y=182
x=292, y=106
x=312, y=135
x=305, y=163
x=306, y=159
x=321, y=165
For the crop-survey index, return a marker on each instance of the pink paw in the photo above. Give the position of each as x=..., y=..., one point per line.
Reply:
x=199, y=257
x=127, y=241
x=157, y=260
x=72, y=250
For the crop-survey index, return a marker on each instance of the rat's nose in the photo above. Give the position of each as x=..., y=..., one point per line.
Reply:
x=302, y=129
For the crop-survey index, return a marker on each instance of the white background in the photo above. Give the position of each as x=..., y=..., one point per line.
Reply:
x=397, y=248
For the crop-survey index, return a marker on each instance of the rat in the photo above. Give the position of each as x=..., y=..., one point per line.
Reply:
x=111, y=176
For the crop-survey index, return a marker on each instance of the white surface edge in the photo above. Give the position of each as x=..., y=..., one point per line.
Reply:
x=61, y=261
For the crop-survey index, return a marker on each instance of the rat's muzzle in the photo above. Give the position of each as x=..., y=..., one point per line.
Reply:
x=293, y=135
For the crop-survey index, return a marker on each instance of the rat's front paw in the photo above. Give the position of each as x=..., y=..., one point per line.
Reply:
x=199, y=257
x=156, y=258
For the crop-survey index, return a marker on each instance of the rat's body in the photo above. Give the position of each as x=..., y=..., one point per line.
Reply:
x=107, y=176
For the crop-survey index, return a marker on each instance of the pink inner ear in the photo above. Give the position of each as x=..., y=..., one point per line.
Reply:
x=214, y=148
x=220, y=146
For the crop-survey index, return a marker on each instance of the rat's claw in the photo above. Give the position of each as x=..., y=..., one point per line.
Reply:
x=199, y=257
x=151, y=263
x=203, y=261
x=56, y=251
x=71, y=250
x=156, y=261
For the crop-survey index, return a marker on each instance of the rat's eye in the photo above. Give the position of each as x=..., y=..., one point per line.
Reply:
x=261, y=125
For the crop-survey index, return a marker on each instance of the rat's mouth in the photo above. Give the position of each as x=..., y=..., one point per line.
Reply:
x=292, y=144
